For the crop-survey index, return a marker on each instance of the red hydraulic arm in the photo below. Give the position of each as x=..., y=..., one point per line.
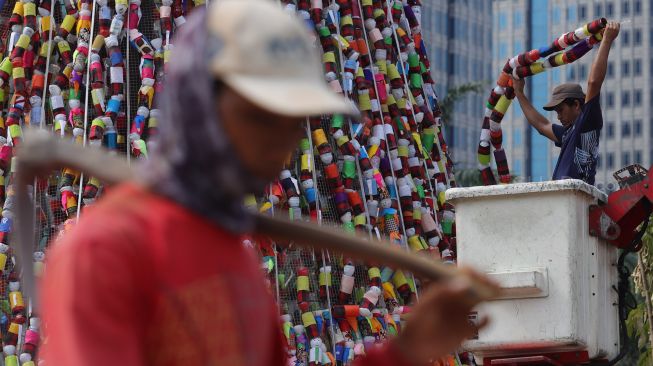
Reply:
x=617, y=220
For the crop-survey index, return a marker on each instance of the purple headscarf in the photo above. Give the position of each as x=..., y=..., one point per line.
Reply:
x=192, y=161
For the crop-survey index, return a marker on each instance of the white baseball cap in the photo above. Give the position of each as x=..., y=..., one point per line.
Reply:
x=266, y=55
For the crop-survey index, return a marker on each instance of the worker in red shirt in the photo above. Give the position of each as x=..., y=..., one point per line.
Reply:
x=155, y=273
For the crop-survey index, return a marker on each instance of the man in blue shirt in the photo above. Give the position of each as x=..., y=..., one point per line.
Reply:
x=579, y=114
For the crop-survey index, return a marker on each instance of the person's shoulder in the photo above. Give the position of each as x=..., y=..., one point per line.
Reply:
x=594, y=102
x=127, y=197
x=132, y=201
x=123, y=215
x=136, y=219
x=558, y=132
x=591, y=117
x=138, y=213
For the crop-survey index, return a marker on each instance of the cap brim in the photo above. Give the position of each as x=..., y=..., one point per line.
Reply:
x=552, y=104
x=291, y=98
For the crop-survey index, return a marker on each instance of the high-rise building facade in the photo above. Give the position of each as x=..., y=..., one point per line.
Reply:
x=626, y=96
x=459, y=45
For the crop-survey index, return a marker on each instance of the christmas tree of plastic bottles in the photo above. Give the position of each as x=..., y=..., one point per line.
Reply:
x=89, y=72
x=382, y=176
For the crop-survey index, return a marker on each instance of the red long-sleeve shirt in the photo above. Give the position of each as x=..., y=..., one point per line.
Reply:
x=143, y=281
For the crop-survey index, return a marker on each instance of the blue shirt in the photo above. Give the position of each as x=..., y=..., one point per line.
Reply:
x=580, y=144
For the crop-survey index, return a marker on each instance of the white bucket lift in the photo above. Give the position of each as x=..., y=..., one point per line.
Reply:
x=533, y=239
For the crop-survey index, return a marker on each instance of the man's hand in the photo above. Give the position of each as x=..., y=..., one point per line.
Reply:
x=439, y=323
x=518, y=85
x=611, y=31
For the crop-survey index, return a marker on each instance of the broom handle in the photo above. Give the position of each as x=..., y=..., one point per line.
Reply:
x=383, y=251
x=41, y=153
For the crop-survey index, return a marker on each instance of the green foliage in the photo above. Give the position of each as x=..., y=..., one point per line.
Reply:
x=472, y=177
x=645, y=358
x=468, y=178
x=637, y=326
x=448, y=103
x=638, y=322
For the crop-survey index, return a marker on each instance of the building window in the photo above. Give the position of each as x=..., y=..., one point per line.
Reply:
x=610, y=160
x=555, y=76
x=625, y=68
x=517, y=46
x=625, y=129
x=556, y=15
x=609, y=9
x=626, y=38
x=503, y=50
x=517, y=137
x=637, y=98
x=503, y=21
x=625, y=158
x=462, y=136
x=598, y=162
x=610, y=71
x=582, y=72
x=637, y=127
x=610, y=101
x=571, y=73
x=571, y=13
x=598, y=11
x=517, y=167
x=638, y=157
x=582, y=12
x=465, y=27
x=625, y=7
x=637, y=67
x=637, y=41
x=610, y=130
x=625, y=98
x=637, y=8
x=650, y=130
x=515, y=109
x=517, y=19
